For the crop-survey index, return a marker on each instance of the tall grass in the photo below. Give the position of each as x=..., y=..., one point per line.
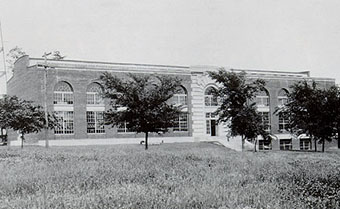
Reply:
x=193, y=175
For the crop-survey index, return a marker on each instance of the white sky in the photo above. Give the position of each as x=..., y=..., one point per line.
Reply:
x=294, y=35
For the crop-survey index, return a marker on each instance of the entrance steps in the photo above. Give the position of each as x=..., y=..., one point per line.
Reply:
x=234, y=143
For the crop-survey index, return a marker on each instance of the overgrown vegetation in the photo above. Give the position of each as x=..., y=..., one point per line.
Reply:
x=195, y=175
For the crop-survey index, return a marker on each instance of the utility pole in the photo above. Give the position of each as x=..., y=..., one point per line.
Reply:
x=2, y=49
x=45, y=99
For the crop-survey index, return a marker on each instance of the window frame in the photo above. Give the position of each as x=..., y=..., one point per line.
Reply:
x=265, y=145
x=96, y=122
x=283, y=121
x=304, y=145
x=286, y=146
x=94, y=93
x=210, y=100
x=63, y=94
x=180, y=124
x=267, y=122
x=63, y=123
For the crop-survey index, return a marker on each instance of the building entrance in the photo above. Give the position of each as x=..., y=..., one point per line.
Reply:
x=211, y=124
x=213, y=127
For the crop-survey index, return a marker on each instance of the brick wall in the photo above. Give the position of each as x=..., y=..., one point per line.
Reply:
x=27, y=83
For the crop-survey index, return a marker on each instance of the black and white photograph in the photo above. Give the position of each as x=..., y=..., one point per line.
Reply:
x=139, y=104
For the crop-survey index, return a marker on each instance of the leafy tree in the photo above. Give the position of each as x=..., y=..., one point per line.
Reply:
x=332, y=110
x=13, y=55
x=307, y=112
x=236, y=95
x=140, y=101
x=21, y=115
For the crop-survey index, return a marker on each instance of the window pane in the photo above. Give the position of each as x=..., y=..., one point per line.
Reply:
x=181, y=124
x=95, y=122
x=285, y=144
x=207, y=101
x=89, y=98
x=208, y=126
x=99, y=122
x=68, y=98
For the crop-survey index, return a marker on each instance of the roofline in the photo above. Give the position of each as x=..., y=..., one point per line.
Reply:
x=110, y=63
x=307, y=72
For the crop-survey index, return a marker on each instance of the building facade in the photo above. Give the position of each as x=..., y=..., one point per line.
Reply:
x=73, y=92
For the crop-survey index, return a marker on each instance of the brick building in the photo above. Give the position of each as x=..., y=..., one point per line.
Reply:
x=73, y=93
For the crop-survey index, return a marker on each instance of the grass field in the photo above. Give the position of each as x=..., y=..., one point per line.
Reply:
x=192, y=175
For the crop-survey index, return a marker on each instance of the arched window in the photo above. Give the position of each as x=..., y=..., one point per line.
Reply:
x=262, y=103
x=63, y=108
x=262, y=98
x=95, y=109
x=94, y=94
x=63, y=94
x=282, y=97
x=209, y=98
x=180, y=97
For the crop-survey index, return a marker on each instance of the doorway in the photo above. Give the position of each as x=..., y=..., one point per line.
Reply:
x=211, y=124
x=213, y=127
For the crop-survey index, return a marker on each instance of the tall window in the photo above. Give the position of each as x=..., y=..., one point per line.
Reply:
x=283, y=118
x=94, y=109
x=63, y=94
x=95, y=122
x=282, y=97
x=94, y=94
x=265, y=120
x=181, y=124
x=209, y=98
x=180, y=97
x=65, y=122
x=262, y=99
x=63, y=108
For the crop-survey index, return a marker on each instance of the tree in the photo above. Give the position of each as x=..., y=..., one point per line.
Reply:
x=307, y=112
x=236, y=95
x=13, y=55
x=21, y=115
x=56, y=55
x=332, y=110
x=140, y=101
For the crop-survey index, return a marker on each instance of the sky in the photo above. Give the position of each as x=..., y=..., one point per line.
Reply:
x=289, y=35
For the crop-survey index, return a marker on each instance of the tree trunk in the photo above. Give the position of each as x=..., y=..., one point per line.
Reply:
x=323, y=145
x=242, y=143
x=315, y=145
x=47, y=144
x=22, y=140
x=255, y=142
x=338, y=138
x=146, y=140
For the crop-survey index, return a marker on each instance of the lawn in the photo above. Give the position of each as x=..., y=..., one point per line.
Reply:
x=188, y=175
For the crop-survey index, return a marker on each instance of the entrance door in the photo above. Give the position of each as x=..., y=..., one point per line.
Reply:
x=213, y=127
